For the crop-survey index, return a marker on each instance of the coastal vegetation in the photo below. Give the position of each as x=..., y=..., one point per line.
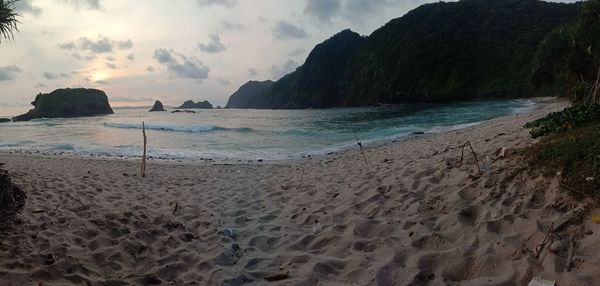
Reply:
x=568, y=64
x=68, y=102
x=8, y=19
x=12, y=198
x=476, y=49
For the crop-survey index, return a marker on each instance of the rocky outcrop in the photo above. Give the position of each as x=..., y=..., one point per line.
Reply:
x=5, y=120
x=196, y=105
x=183, y=111
x=158, y=106
x=68, y=102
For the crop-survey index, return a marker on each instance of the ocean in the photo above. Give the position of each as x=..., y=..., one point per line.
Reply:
x=236, y=134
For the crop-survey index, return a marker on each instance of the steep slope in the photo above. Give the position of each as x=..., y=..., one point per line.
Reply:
x=249, y=95
x=459, y=50
x=471, y=49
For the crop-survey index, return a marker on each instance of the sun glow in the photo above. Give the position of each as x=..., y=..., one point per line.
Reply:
x=100, y=75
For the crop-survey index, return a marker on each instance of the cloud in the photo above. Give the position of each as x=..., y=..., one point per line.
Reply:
x=150, y=69
x=25, y=6
x=83, y=4
x=323, y=10
x=8, y=73
x=53, y=76
x=103, y=82
x=124, y=45
x=40, y=85
x=252, y=72
x=111, y=66
x=100, y=46
x=223, y=81
x=131, y=57
x=224, y=3
x=110, y=58
x=296, y=52
x=358, y=11
x=228, y=26
x=280, y=71
x=285, y=30
x=50, y=76
x=214, y=45
x=181, y=66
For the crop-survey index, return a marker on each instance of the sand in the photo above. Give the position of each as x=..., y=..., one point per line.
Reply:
x=411, y=216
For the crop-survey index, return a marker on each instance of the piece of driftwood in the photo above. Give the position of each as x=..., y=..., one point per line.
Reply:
x=570, y=254
x=143, y=170
x=462, y=156
x=361, y=147
x=568, y=218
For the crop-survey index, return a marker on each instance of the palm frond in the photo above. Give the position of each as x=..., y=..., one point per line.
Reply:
x=8, y=19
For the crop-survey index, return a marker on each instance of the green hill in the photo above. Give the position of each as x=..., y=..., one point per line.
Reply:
x=471, y=49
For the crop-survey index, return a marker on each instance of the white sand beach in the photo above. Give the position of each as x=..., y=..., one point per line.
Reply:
x=410, y=216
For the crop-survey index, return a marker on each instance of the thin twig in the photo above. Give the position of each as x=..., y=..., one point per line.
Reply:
x=175, y=210
x=54, y=211
x=474, y=155
x=361, y=147
x=540, y=247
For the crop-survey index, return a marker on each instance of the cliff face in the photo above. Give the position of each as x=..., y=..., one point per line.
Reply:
x=471, y=49
x=250, y=95
x=76, y=102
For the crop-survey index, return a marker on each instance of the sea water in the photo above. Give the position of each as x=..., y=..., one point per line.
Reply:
x=245, y=134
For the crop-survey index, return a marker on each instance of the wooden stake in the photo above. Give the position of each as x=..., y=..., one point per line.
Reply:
x=144, y=155
x=361, y=147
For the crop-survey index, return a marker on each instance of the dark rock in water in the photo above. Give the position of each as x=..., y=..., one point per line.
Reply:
x=158, y=106
x=185, y=111
x=198, y=105
x=5, y=120
x=418, y=133
x=76, y=102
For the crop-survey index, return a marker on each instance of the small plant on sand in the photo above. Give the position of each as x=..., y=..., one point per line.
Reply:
x=572, y=154
x=12, y=198
x=571, y=117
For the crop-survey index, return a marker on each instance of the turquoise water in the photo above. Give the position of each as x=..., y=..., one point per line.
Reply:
x=245, y=134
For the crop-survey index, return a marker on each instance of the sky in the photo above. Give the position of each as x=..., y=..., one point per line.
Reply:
x=171, y=50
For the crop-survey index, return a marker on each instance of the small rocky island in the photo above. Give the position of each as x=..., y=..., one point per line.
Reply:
x=158, y=106
x=190, y=104
x=68, y=102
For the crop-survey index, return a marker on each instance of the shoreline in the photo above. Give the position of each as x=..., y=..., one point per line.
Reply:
x=401, y=219
x=371, y=143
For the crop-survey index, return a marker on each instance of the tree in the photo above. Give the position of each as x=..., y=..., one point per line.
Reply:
x=8, y=19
